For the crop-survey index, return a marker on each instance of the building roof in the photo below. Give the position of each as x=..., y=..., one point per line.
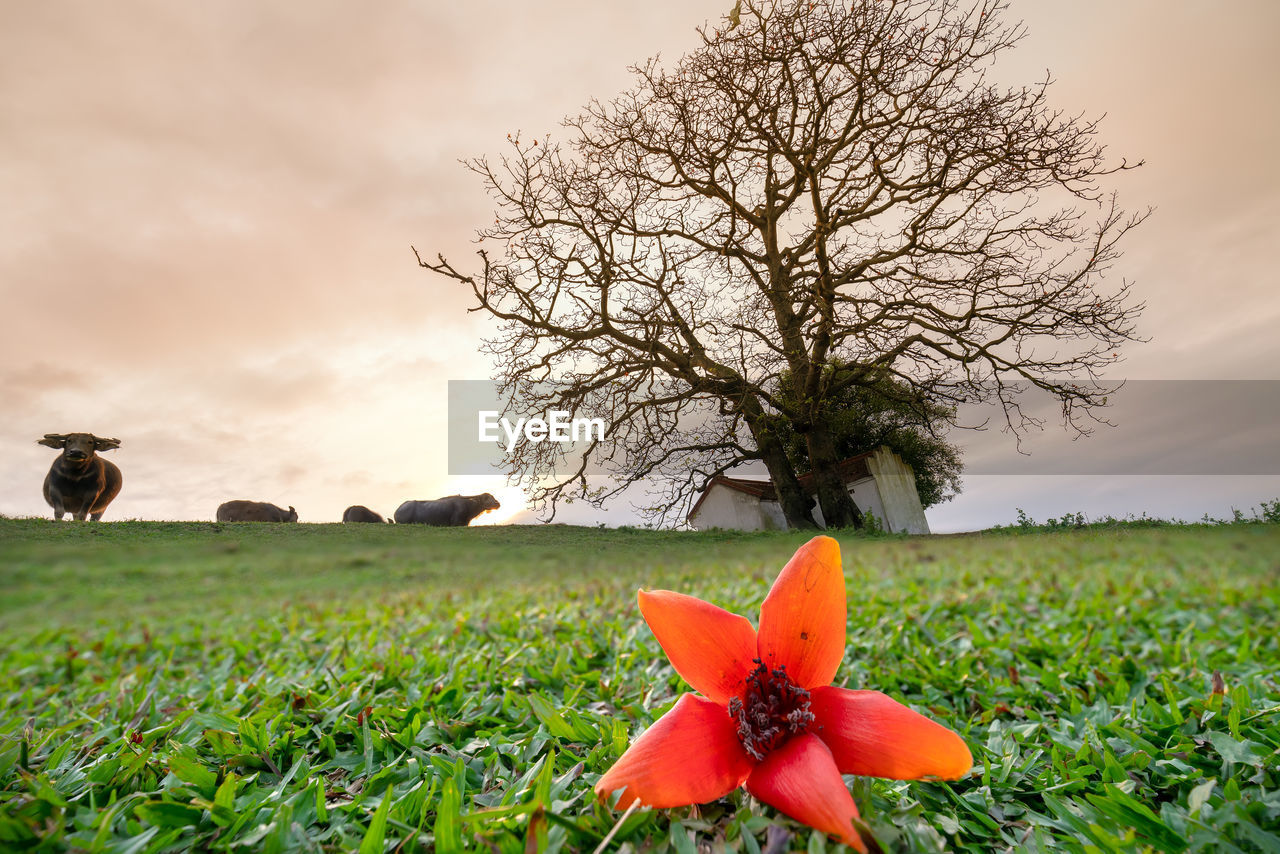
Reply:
x=851, y=469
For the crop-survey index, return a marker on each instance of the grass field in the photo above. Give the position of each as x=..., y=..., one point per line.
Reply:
x=174, y=686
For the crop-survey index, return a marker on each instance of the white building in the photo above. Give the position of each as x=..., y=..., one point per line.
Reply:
x=879, y=481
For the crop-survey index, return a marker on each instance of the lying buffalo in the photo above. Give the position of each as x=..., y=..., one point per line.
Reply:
x=254, y=511
x=456, y=510
x=360, y=513
x=80, y=482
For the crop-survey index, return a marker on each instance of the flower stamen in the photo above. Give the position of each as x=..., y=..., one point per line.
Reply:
x=771, y=709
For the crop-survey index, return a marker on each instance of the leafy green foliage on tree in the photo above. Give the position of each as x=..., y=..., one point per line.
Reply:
x=891, y=413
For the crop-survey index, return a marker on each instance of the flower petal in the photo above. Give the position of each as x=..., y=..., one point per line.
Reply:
x=800, y=778
x=802, y=620
x=873, y=735
x=710, y=647
x=691, y=755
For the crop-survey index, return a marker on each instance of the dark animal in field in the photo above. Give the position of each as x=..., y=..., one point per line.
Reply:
x=455, y=510
x=80, y=482
x=254, y=511
x=360, y=513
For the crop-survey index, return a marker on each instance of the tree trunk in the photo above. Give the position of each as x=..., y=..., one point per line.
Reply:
x=838, y=509
x=796, y=506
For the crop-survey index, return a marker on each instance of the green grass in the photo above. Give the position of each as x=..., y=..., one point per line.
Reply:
x=173, y=686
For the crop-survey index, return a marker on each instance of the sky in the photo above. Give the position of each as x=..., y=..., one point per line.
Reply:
x=208, y=212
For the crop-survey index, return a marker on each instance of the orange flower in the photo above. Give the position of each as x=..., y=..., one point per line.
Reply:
x=767, y=716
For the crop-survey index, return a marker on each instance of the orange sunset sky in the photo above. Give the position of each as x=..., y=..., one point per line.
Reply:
x=207, y=213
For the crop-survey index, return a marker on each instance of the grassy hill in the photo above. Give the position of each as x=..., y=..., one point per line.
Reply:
x=241, y=687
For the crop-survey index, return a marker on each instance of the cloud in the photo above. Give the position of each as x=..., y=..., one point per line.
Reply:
x=26, y=387
x=1149, y=427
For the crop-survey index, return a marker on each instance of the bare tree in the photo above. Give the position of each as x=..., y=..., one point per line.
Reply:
x=819, y=184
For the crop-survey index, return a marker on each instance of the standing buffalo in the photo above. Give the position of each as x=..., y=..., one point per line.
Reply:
x=360, y=513
x=456, y=510
x=80, y=482
x=254, y=511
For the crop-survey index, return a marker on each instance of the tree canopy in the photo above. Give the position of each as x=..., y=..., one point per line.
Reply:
x=823, y=182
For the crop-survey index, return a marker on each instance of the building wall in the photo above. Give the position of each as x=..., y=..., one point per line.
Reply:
x=865, y=494
x=728, y=508
x=774, y=518
x=901, y=512
x=890, y=494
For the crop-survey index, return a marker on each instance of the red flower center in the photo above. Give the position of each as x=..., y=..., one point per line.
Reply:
x=771, y=709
